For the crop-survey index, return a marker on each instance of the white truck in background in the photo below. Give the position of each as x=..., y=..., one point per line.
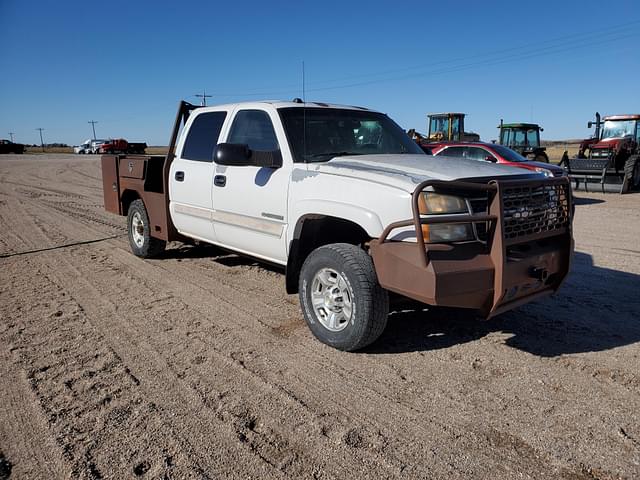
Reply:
x=88, y=146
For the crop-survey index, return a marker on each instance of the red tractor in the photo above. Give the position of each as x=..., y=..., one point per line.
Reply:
x=613, y=151
x=619, y=141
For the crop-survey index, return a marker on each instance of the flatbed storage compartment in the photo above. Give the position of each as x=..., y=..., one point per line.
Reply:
x=111, y=184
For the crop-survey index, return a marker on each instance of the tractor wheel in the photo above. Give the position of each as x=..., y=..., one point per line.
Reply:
x=631, y=174
x=541, y=157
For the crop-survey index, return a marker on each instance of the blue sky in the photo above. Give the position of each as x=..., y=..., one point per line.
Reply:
x=126, y=64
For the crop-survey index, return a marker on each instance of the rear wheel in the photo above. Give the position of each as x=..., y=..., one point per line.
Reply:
x=343, y=304
x=140, y=240
x=541, y=157
x=631, y=174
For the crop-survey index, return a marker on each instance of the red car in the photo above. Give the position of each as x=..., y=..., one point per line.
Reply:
x=491, y=152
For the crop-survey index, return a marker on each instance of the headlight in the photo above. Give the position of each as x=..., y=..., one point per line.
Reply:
x=439, y=204
x=544, y=171
x=436, y=203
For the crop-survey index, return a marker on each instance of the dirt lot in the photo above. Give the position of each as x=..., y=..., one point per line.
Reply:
x=198, y=365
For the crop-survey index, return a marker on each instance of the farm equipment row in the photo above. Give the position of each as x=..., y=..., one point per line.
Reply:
x=611, y=155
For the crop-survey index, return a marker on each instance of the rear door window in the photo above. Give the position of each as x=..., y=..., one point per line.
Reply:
x=475, y=153
x=203, y=136
x=452, y=152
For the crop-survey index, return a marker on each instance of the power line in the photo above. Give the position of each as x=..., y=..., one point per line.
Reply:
x=11, y=135
x=553, y=46
x=204, y=97
x=93, y=126
x=41, y=141
x=559, y=41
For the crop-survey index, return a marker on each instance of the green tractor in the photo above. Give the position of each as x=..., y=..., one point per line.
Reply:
x=524, y=138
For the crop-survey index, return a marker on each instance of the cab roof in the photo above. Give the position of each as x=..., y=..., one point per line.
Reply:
x=519, y=125
x=446, y=114
x=295, y=103
x=631, y=116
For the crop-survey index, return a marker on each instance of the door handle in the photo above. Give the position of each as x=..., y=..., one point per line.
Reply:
x=179, y=176
x=219, y=180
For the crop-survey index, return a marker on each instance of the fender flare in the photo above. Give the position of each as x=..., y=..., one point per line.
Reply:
x=367, y=219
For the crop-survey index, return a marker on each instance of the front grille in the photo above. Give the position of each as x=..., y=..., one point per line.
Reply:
x=531, y=210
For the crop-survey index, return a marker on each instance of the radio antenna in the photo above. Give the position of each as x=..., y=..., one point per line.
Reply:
x=304, y=118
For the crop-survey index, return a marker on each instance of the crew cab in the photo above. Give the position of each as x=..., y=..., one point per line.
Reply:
x=352, y=209
x=490, y=152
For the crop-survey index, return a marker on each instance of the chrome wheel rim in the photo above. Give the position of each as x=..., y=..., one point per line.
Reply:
x=137, y=229
x=332, y=299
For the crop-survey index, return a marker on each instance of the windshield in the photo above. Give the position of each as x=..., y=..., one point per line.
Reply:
x=439, y=127
x=333, y=132
x=618, y=128
x=508, y=154
x=520, y=137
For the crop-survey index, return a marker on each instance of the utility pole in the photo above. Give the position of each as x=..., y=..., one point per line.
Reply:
x=11, y=135
x=41, y=141
x=93, y=125
x=204, y=97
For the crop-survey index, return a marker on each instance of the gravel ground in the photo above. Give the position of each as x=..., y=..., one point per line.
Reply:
x=198, y=365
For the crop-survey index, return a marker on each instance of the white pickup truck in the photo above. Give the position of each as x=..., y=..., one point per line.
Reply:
x=352, y=209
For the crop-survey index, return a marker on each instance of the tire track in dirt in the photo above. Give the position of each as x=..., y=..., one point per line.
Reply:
x=91, y=467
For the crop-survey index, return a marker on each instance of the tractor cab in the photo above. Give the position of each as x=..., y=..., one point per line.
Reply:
x=443, y=128
x=619, y=139
x=524, y=138
x=449, y=127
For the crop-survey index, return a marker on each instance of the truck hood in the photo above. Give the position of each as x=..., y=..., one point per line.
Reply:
x=405, y=171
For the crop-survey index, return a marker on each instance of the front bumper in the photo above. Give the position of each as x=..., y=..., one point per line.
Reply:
x=525, y=252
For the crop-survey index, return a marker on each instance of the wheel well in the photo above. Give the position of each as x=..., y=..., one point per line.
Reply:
x=128, y=196
x=313, y=231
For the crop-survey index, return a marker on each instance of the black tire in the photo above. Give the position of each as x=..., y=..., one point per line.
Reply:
x=141, y=242
x=541, y=157
x=369, y=302
x=631, y=174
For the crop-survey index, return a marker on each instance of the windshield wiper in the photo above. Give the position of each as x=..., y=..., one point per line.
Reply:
x=332, y=154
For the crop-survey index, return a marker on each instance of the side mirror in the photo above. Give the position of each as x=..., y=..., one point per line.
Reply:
x=490, y=158
x=240, y=155
x=589, y=124
x=232, y=154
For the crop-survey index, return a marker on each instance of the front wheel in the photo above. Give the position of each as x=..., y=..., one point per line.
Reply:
x=342, y=301
x=140, y=240
x=631, y=174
